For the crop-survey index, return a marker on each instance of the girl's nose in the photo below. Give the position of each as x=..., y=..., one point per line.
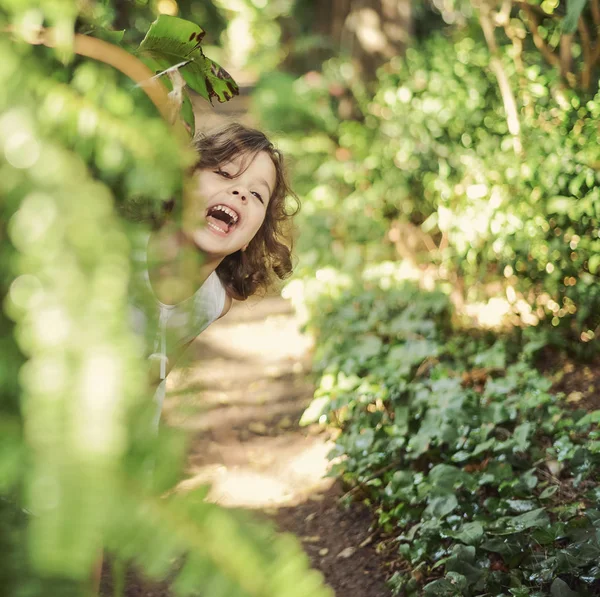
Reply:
x=240, y=194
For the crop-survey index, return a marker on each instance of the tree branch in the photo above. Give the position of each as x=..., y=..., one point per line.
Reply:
x=540, y=44
x=502, y=17
x=508, y=98
x=124, y=62
x=588, y=59
x=595, y=7
x=566, y=56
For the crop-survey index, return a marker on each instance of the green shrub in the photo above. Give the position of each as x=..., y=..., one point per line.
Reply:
x=486, y=481
x=431, y=149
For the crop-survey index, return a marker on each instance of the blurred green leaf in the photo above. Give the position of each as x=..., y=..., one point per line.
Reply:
x=574, y=10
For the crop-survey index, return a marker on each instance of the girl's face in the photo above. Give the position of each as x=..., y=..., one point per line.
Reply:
x=234, y=205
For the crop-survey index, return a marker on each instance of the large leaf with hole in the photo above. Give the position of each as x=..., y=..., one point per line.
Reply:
x=171, y=41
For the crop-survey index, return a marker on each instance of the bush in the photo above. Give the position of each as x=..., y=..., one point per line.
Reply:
x=426, y=169
x=485, y=480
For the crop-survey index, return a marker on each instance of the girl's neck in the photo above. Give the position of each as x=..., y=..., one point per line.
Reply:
x=176, y=267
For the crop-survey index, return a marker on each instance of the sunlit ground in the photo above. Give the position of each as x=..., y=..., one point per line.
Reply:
x=241, y=398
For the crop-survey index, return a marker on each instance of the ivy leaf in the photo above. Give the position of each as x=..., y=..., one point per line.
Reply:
x=365, y=440
x=521, y=435
x=441, y=506
x=520, y=506
x=549, y=535
x=483, y=447
x=461, y=456
x=187, y=113
x=560, y=588
x=412, y=353
x=458, y=580
x=314, y=411
x=171, y=41
x=441, y=588
x=505, y=546
x=592, y=417
x=419, y=444
x=548, y=492
x=535, y=519
x=445, y=477
x=470, y=533
x=367, y=347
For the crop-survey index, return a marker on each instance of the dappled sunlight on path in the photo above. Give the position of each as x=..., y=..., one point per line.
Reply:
x=241, y=399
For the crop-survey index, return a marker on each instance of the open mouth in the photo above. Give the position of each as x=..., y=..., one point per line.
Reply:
x=221, y=219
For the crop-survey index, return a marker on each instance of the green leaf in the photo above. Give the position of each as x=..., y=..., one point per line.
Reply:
x=520, y=506
x=574, y=10
x=483, y=447
x=401, y=420
x=590, y=418
x=441, y=506
x=441, y=588
x=548, y=492
x=560, y=588
x=470, y=533
x=187, y=113
x=593, y=263
x=419, y=444
x=535, y=519
x=368, y=346
x=171, y=41
x=494, y=357
x=520, y=435
x=559, y=204
x=549, y=535
x=365, y=440
x=314, y=410
x=461, y=456
x=412, y=353
x=445, y=477
x=506, y=546
x=458, y=580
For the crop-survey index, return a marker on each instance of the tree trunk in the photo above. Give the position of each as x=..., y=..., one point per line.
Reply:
x=371, y=31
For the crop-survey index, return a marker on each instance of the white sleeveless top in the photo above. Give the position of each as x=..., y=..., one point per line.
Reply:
x=170, y=327
x=179, y=324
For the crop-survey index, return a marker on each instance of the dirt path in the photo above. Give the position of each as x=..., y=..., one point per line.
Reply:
x=242, y=400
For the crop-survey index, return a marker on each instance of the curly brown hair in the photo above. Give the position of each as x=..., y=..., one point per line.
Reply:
x=269, y=253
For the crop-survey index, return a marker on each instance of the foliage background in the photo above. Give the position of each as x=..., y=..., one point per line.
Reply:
x=502, y=204
x=449, y=144
x=449, y=238
x=82, y=471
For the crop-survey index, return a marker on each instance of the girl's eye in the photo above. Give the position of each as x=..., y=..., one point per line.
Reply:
x=258, y=196
x=223, y=173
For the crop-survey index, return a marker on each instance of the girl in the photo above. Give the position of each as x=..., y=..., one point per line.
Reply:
x=232, y=243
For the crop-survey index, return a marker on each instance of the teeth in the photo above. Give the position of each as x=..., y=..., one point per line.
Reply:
x=214, y=227
x=229, y=212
